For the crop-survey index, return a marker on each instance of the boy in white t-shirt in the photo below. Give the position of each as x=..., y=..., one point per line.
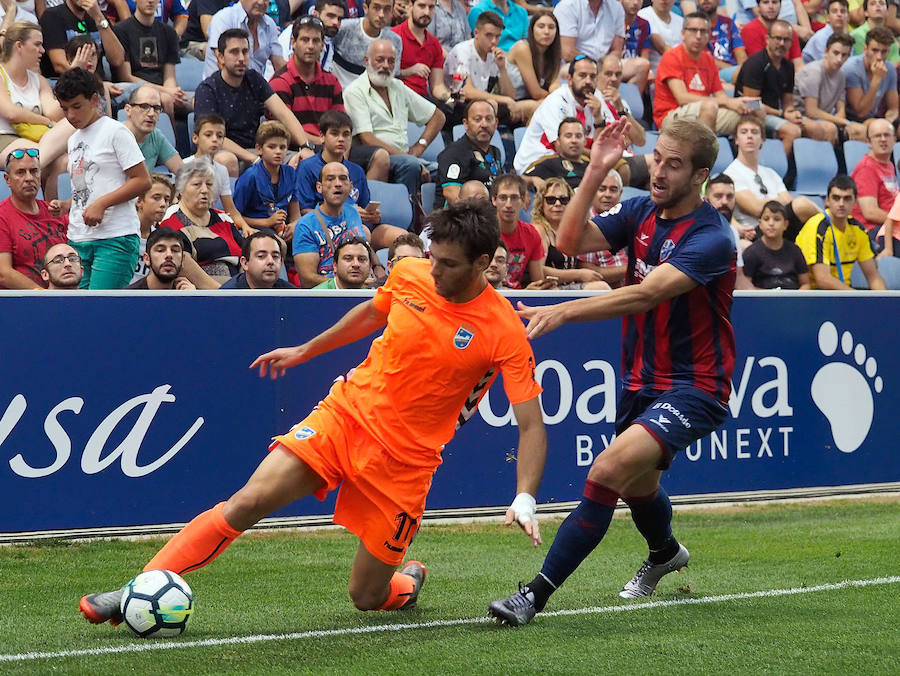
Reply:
x=209, y=134
x=108, y=173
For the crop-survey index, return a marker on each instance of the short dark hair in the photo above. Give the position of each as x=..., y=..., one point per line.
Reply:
x=231, y=34
x=775, y=207
x=577, y=59
x=842, y=182
x=76, y=43
x=502, y=245
x=334, y=119
x=208, y=118
x=164, y=232
x=841, y=38
x=489, y=17
x=503, y=179
x=472, y=102
x=271, y=129
x=320, y=5
x=259, y=234
x=840, y=2
x=470, y=223
x=308, y=22
x=720, y=178
x=76, y=81
x=697, y=15
x=569, y=120
x=348, y=242
x=406, y=239
x=880, y=34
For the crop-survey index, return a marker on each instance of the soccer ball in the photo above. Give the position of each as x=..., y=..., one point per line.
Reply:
x=157, y=604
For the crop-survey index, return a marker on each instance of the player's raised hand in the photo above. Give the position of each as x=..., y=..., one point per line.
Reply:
x=277, y=362
x=541, y=320
x=609, y=144
x=521, y=511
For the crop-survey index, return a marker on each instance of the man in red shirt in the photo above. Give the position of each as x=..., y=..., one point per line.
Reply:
x=688, y=85
x=422, y=58
x=875, y=178
x=526, y=251
x=302, y=84
x=27, y=228
x=756, y=32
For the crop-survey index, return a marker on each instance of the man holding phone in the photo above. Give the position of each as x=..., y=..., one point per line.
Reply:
x=688, y=86
x=769, y=75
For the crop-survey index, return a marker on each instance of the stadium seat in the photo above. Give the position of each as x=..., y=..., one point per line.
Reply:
x=632, y=96
x=428, y=191
x=853, y=153
x=396, y=208
x=518, y=135
x=4, y=190
x=414, y=133
x=63, y=187
x=190, y=130
x=628, y=192
x=772, y=156
x=816, y=166
x=496, y=140
x=649, y=144
x=189, y=73
x=725, y=157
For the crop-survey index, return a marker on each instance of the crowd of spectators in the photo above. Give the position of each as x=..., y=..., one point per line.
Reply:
x=249, y=144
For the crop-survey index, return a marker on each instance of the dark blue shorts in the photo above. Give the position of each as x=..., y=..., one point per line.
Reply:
x=676, y=418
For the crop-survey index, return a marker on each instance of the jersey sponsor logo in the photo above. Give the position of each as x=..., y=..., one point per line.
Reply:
x=662, y=421
x=666, y=406
x=304, y=432
x=453, y=171
x=409, y=303
x=462, y=338
x=666, y=250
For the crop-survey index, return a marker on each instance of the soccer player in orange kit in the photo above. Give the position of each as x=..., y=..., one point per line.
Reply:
x=380, y=431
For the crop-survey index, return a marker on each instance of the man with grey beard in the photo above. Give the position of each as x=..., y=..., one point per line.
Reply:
x=380, y=105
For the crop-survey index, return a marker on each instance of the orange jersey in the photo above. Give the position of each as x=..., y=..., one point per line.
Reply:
x=435, y=360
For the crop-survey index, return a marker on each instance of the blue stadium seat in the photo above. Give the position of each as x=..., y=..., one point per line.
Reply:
x=518, y=135
x=396, y=208
x=63, y=186
x=628, y=192
x=632, y=96
x=724, y=158
x=428, y=191
x=496, y=140
x=854, y=151
x=4, y=190
x=190, y=130
x=414, y=133
x=816, y=166
x=649, y=144
x=772, y=156
x=189, y=73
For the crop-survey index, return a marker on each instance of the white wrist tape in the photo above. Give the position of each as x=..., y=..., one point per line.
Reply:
x=524, y=507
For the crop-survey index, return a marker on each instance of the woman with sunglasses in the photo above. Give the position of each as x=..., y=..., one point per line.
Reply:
x=549, y=205
x=533, y=63
x=28, y=109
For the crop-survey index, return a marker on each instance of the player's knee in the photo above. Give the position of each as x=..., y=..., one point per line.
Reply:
x=364, y=597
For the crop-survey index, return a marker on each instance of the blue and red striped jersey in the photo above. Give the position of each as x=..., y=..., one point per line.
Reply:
x=687, y=339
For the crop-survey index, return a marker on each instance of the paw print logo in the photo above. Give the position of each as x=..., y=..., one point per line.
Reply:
x=842, y=388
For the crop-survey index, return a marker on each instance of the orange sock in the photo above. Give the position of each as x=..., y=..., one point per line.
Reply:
x=401, y=587
x=197, y=544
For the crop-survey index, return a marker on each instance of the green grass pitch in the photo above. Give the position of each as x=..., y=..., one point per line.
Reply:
x=268, y=584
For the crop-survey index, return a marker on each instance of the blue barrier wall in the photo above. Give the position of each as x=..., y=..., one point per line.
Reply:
x=125, y=410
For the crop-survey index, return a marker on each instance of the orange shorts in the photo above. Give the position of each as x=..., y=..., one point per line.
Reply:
x=381, y=500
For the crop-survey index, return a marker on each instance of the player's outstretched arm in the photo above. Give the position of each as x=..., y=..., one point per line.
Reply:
x=575, y=235
x=529, y=467
x=358, y=323
x=663, y=283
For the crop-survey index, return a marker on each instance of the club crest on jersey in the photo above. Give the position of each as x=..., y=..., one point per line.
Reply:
x=666, y=250
x=462, y=338
x=613, y=211
x=304, y=432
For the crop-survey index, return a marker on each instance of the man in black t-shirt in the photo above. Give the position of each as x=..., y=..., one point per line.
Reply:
x=471, y=157
x=200, y=14
x=569, y=161
x=61, y=23
x=151, y=52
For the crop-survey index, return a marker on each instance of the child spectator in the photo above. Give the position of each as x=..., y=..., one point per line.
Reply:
x=772, y=262
x=264, y=194
x=108, y=173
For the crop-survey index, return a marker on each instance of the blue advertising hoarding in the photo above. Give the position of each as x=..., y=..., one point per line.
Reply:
x=125, y=410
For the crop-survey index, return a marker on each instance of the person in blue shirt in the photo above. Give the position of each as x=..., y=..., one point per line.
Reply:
x=678, y=349
x=264, y=193
x=320, y=231
x=515, y=20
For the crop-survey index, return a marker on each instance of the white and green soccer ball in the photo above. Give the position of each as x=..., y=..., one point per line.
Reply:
x=157, y=604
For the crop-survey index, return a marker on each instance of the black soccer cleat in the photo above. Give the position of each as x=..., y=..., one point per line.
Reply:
x=515, y=610
x=417, y=571
x=102, y=607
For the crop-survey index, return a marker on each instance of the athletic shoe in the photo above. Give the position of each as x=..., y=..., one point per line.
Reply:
x=649, y=574
x=514, y=610
x=99, y=608
x=417, y=571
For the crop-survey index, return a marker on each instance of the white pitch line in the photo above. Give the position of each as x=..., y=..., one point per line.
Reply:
x=151, y=646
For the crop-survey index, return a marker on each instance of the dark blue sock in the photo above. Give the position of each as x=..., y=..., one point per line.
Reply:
x=577, y=537
x=652, y=514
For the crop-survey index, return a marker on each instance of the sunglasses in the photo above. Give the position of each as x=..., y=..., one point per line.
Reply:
x=19, y=153
x=762, y=186
x=553, y=199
